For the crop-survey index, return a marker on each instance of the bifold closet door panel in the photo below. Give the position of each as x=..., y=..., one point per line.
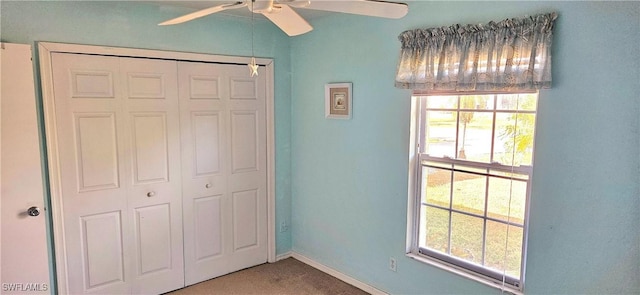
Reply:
x=204, y=181
x=247, y=181
x=223, y=140
x=93, y=163
x=151, y=115
x=118, y=142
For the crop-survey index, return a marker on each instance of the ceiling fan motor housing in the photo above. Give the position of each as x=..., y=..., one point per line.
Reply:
x=261, y=6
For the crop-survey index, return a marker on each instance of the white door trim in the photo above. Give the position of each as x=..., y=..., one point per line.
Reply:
x=45, y=49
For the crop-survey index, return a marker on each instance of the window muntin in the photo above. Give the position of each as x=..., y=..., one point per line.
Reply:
x=474, y=160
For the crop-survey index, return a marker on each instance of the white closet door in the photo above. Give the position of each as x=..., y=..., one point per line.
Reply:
x=222, y=112
x=119, y=151
x=93, y=163
x=150, y=103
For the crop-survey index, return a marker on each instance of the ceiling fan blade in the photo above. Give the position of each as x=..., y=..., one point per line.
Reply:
x=203, y=12
x=288, y=20
x=361, y=7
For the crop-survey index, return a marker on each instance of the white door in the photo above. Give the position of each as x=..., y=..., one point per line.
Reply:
x=154, y=190
x=118, y=154
x=222, y=113
x=24, y=267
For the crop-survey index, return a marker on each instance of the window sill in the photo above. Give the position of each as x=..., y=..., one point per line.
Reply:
x=466, y=274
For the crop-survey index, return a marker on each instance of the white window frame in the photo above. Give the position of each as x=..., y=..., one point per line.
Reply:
x=413, y=249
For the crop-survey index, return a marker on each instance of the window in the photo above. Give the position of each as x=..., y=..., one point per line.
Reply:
x=471, y=168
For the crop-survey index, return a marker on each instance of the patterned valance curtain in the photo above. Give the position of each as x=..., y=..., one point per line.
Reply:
x=513, y=54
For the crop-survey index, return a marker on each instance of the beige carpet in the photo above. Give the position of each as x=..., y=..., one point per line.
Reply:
x=287, y=276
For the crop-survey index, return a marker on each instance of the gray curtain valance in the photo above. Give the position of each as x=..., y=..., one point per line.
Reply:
x=510, y=55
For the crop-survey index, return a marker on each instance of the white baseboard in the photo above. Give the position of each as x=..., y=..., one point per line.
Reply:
x=334, y=273
x=283, y=256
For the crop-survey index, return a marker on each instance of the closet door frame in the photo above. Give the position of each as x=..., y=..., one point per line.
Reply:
x=46, y=49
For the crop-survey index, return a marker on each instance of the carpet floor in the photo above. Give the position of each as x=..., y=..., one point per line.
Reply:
x=288, y=276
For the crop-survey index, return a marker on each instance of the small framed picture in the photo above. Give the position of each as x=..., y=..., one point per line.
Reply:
x=338, y=101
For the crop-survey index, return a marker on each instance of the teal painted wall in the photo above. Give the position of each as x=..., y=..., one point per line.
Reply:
x=349, y=178
x=128, y=24
x=342, y=184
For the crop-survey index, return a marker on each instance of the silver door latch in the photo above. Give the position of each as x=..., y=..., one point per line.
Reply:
x=33, y=211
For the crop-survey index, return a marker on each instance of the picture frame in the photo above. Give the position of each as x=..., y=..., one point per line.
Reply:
x=338, y=101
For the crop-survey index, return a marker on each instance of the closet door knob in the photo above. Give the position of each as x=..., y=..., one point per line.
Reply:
x=33, y=211
x=151, y=194
x=208, y=185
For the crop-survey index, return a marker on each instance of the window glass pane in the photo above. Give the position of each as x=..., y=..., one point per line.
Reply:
x=442, y=102
x=469, y=192
x=476, y=102
x=514, y=133
x=495, y=254
x=507, y=102
x=507, y=200
x=527, y=101
x=514, y=251
x=438, y=186
x=436, y=236
x=466, y=237
x=441, y=134
x=526, y=124
x=474, y=136
x=502, y=140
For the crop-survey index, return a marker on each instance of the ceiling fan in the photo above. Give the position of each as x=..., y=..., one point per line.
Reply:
x=282, y=15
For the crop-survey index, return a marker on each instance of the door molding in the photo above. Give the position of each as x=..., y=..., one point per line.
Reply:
x=46, y=49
